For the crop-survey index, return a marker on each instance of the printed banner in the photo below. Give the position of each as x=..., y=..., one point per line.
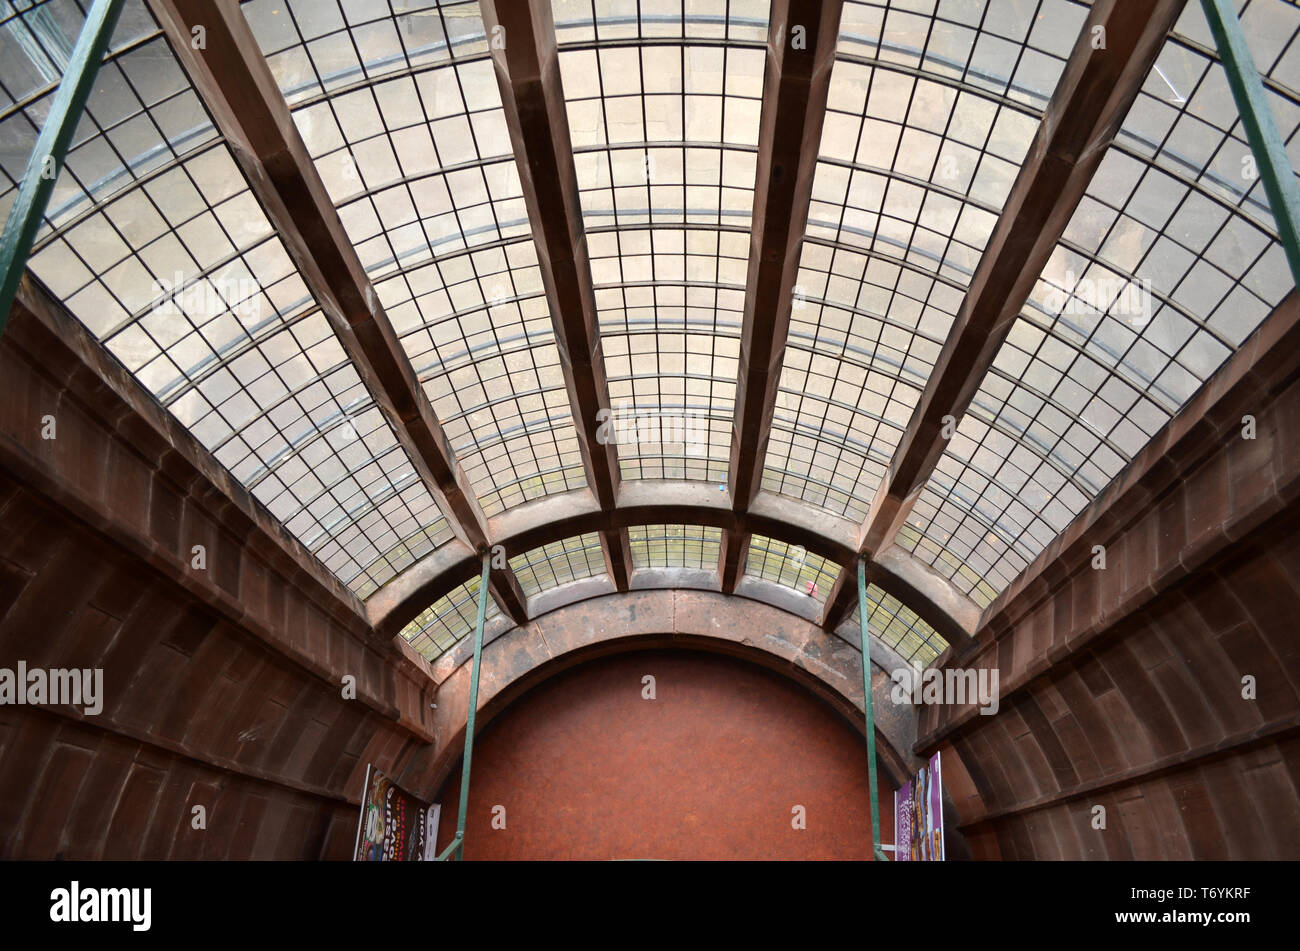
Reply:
x=918, y=816
x=395, y=826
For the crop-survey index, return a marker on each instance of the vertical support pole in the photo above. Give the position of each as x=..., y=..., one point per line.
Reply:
x=51, y=149
x=1261, y=128
x=868, y=707
x=459, y=844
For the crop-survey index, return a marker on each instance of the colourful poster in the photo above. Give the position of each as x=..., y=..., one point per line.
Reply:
x=394, y=826
x=918, y=816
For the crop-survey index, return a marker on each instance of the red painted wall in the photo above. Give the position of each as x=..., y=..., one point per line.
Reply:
x=588, y=769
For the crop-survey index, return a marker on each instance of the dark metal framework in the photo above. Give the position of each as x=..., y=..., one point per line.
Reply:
x=511, y=284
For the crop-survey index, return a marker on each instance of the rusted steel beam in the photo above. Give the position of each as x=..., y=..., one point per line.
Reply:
x=800, y=55
x=234, y=81
x=618, y=556
x=532, y=96
x=843, y=596
x=1111, y=59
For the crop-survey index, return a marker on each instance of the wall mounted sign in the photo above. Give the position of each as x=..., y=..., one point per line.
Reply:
x=395, y=826
x=918, y=816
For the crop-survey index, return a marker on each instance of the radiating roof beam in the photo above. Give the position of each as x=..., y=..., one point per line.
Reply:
x=232, y=77
x=522, y=38
x=1113, y=56
x=800, y=55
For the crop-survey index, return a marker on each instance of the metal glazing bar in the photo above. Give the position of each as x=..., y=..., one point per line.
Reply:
x=51, y=148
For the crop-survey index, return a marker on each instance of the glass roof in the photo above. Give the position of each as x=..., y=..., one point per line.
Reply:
x=1168, y=264
x=402, y=116
x=562, y=562
x=899, y=627
x=154, y=240
x=440, y=626
x=674, y=546
x=663, y=109
x=930, y=112
x=791, y=565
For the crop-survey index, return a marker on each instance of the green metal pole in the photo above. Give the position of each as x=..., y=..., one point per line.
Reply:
x=52, y=147
x=455, y=844
x=868, y=706
x=1261, y=128
x=458, y=844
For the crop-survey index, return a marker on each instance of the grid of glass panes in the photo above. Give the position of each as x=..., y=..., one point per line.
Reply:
x=1165, y=269
x=670, y=303
x=929, y=115
x=914, y=168
x=898, y=626
x=930, y=112
x=317, y=47
x=557, y=563
x=402, y=115
x=665, y=135
x=176, y=269
x=864, y=335
x=479, y=334
x=674, y=546
x=791, y=565
x=1010, y=48
x=141, y=114
x=405, y=126
x=439, y=627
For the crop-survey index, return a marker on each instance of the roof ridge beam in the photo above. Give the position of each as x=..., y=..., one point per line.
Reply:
x=232, y=77
x=800, y=56
x=527, y=61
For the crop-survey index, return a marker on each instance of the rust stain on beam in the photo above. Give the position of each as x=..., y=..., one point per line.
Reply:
x=532, y=96
x=733, y=553
x=234, y=81
x=618, y=557
x=800, y=56
x=1096, y=89
x=843, y=596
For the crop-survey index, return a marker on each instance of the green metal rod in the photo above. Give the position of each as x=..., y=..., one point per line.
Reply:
x=456, y=840
x=1261, y=128
x=51, y=148
x=459, y=842
x=868, y=707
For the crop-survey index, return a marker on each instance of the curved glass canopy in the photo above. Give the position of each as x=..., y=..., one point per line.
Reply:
x=155, y=241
